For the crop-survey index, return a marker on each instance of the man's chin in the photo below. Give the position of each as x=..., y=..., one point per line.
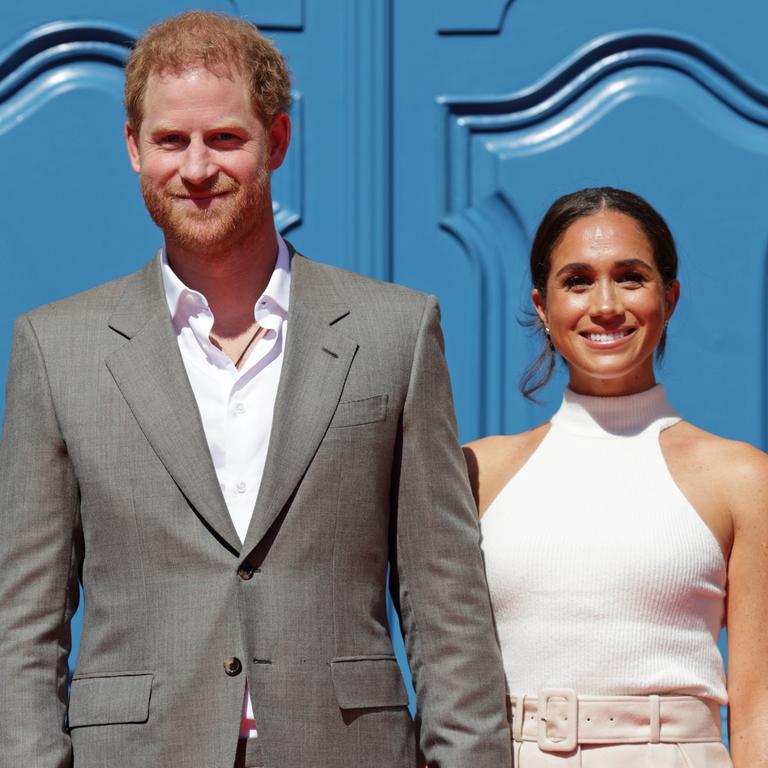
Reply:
x=208, y=230
x=201, y=242
x=201, y=230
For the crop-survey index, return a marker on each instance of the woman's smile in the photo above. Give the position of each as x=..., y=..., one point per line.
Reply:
x=607, y=339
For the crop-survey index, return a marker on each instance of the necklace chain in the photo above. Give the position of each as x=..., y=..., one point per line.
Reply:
x=258, y=333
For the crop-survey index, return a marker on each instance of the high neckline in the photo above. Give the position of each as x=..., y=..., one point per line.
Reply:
x=624, y=416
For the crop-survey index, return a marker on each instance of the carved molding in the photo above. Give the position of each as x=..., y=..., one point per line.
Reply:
x=481, y=134
x=57, y=57
x=288, y=184
x=486, y=232
x=583, y=72
x=480, y=17
x=366, y=157
x=275, y=16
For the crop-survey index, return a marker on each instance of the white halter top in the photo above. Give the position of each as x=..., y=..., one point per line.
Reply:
x=603, y=577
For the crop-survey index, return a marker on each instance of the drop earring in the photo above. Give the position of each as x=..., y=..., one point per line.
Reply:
x=549, y=338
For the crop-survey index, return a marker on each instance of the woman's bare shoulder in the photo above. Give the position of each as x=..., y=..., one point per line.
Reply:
x=496, y=449
x=736, y=465
x=493, y=461
x=711, y=447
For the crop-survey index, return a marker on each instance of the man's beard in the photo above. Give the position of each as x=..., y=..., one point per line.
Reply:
x=212, y=229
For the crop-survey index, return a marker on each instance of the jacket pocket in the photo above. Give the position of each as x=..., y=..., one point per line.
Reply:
x=350, y=413
x=110, y=699
x=368, y=681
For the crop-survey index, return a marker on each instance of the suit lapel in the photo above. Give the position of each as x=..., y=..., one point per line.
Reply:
x=315, y=367
x=150, y=374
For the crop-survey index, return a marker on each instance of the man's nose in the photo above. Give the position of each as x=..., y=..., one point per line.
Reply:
x=197, y=166
x=606, y=300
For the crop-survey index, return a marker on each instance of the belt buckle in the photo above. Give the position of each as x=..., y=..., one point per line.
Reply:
x=545, y=742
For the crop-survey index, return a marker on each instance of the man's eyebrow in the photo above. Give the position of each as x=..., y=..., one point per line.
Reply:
x=164, y=128
x=226, y=124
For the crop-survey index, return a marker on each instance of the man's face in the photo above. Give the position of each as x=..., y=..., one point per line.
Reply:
x=204, y=158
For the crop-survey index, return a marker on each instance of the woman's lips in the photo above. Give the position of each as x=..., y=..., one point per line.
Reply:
x=607, y=339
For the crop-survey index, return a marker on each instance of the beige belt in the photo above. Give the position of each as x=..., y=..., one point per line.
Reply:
x=558, y=719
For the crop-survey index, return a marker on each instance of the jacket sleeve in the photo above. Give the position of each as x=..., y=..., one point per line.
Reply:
x=438, y=576
x=39, y=541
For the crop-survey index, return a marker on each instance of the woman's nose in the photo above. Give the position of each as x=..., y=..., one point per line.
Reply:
x=606, y=300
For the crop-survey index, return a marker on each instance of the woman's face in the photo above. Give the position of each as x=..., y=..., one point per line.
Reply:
x=606, y=304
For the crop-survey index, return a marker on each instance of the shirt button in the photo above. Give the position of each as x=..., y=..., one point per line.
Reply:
x=241, y=487
x=240, y=408
x=232, y=666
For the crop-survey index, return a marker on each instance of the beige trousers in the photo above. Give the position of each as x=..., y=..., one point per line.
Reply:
x=558, y=729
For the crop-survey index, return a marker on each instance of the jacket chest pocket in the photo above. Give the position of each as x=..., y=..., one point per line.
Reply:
x=351, y=413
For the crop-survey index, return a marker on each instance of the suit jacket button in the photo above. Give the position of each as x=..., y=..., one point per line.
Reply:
x=232, y=666
x=245, y=571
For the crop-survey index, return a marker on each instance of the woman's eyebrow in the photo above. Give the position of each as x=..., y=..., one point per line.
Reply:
x=633, y=263
x=574, y=266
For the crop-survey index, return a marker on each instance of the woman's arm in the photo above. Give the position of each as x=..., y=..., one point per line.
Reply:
x=747, y=614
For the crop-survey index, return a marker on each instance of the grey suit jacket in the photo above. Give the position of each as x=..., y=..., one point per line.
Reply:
x=106, y=480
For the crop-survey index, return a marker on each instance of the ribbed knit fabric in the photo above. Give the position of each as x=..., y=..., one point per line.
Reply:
x=602, y=575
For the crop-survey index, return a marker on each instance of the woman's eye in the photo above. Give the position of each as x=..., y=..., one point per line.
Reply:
x=632, y=277
x=576, y=281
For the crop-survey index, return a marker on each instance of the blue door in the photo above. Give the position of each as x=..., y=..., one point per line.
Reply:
x=500, y=107
x=430, y=137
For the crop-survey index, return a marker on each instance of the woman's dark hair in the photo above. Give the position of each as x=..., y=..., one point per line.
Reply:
x=561, y=214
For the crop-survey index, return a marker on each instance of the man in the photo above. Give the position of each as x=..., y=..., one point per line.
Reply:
x=226, y=449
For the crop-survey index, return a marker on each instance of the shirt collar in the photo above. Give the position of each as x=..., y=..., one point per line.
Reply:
x=276, y=294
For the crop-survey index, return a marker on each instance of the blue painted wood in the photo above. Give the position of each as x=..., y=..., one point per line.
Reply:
x=269, y=15
x=479, y=17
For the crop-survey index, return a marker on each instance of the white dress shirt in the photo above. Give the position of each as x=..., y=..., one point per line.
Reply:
x=236, y=406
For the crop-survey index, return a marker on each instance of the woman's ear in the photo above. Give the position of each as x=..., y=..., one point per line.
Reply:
x=538, y=302
x=671, y=297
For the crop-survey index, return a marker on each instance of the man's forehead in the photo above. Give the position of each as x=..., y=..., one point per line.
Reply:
x=216, y=97
x=192, y=72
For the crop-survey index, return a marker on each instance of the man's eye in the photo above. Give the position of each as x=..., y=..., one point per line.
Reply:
x=171, y=138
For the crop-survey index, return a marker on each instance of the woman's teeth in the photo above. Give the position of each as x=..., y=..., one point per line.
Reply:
x=604, y=337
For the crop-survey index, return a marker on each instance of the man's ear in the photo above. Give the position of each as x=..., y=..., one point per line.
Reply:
x=132, y=145
x=279, y=139
x=540, y=306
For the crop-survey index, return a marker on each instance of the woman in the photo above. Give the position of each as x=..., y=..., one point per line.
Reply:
x=614, y=533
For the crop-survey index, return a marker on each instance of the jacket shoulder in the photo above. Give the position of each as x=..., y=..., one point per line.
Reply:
x=361, y=290
x=86, y=306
